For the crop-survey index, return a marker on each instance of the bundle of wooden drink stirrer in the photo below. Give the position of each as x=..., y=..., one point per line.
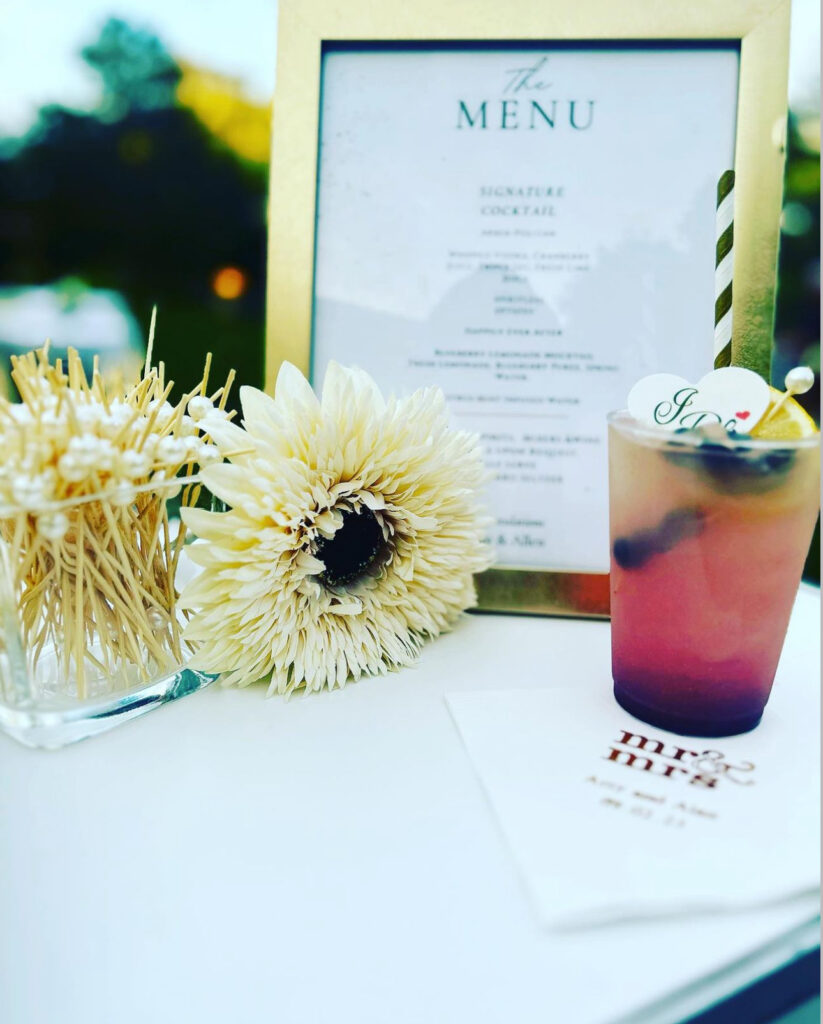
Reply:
x=87, y=556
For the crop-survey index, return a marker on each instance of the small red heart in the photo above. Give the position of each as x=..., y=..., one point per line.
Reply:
x=743, y=415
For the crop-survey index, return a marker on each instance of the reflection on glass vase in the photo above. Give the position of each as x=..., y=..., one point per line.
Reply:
x=90, y=631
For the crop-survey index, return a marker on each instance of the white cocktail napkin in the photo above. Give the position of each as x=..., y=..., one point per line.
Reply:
x=612, y=820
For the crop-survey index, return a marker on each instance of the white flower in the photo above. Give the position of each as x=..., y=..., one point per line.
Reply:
x=352, y=536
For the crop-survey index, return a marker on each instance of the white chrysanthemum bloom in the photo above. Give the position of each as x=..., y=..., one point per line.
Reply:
x=352, y=535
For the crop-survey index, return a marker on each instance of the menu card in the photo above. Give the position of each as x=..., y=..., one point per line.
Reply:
x=531, y=230
x=610, y=819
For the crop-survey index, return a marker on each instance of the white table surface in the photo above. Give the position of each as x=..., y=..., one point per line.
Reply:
x=331, y=858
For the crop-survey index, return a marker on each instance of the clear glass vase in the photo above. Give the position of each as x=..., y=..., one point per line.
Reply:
x=90, y=630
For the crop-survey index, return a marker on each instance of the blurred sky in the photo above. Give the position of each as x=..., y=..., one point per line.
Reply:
x=41, y=39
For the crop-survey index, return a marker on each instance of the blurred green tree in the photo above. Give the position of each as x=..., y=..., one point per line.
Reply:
x=797, y=325
x=137, y=71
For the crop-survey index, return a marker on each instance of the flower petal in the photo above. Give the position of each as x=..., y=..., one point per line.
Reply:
x=257, y=406
x=292, y=387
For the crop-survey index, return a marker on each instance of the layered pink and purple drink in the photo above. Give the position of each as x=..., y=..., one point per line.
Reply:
x=708, y=542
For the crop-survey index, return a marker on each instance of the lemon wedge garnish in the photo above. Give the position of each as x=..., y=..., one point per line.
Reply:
x=790, y=423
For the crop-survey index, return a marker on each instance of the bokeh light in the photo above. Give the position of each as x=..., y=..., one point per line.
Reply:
x=229, y=283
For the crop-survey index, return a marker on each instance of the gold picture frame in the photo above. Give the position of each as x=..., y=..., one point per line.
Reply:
x=760, y=28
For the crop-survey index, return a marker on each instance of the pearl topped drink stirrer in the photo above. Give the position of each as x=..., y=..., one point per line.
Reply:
x=798, y=381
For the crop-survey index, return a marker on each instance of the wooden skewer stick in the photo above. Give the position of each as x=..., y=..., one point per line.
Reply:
x=80, y=618
x=797, y=382
x=150, y=345
x=206, y=370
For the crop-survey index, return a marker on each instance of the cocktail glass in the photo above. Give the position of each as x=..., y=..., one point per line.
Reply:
x=708, y=541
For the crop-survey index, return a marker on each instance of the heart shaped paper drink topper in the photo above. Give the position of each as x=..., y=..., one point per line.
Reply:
x=732, y=396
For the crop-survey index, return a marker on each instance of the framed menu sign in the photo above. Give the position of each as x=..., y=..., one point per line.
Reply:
x=529, y=225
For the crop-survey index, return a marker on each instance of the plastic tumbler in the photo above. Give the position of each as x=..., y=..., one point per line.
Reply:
x=708, y=542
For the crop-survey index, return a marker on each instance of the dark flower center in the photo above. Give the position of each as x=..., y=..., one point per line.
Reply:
x=353, y=550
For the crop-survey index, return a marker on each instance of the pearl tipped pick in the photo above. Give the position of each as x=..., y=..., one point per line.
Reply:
x=797, y=382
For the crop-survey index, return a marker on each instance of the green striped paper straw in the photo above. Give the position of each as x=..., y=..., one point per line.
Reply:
x=723, y=270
